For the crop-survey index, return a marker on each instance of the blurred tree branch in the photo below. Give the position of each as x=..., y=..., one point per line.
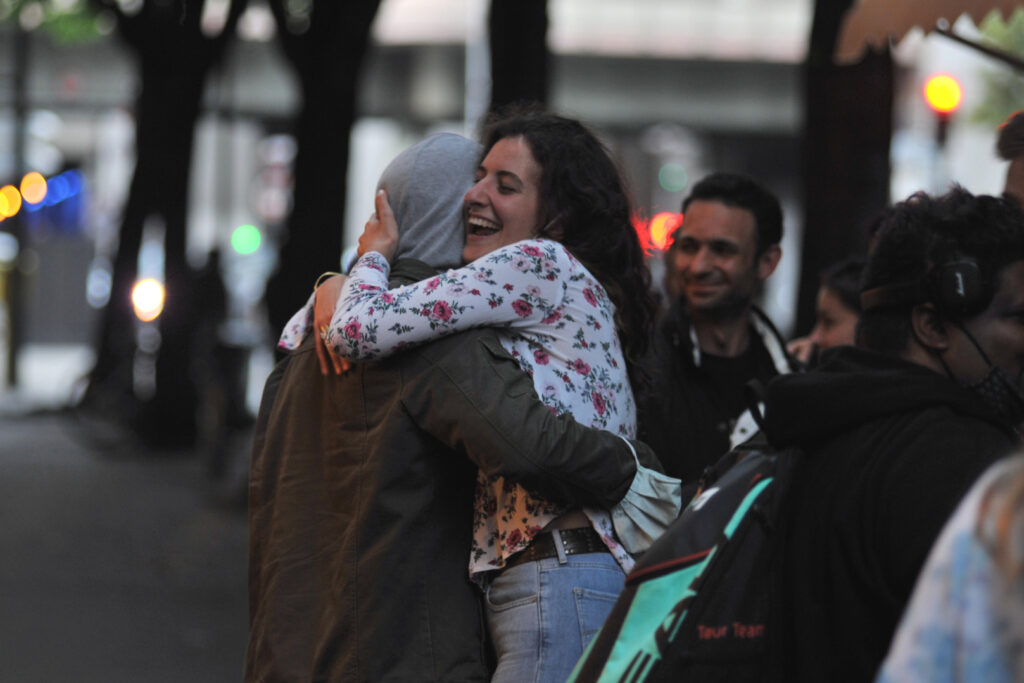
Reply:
x=1004, y=88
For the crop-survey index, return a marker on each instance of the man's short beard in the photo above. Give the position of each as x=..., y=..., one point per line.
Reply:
x=729, y=308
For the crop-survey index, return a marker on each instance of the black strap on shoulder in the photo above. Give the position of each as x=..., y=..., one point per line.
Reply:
x=755, y=393
x=791, y=361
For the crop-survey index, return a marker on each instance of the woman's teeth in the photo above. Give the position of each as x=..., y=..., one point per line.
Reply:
x=482, y=227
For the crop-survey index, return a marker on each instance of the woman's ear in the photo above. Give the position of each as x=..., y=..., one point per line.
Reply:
x=929, y=328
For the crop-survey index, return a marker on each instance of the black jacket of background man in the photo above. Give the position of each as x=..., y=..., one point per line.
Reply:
x=891, y=447
x=689, y=413
x=361, y=505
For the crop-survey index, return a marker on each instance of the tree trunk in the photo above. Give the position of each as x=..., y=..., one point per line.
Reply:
x=21, y=52
x=848, y=128
x=519, y=52
x=174, y=57
x=327, y=59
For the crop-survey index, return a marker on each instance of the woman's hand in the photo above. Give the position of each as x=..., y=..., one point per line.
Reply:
x=381, y=232
x=803, y=349
x=323, y=310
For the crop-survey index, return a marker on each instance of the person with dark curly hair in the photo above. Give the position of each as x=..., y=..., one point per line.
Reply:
x=895, y=429
x=556, y=266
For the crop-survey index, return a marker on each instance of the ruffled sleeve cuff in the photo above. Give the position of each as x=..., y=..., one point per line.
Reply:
x=298, y=326
x=653, y=502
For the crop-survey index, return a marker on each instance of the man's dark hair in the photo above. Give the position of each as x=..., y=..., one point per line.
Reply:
x=743, y=192
x=923, y=233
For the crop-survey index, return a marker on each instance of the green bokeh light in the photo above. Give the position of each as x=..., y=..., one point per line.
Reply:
x=673, y=177
x=245, y=239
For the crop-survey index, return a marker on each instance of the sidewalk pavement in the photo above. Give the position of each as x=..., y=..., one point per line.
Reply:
x=116, y=564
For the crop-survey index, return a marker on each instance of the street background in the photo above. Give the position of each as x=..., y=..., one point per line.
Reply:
x=116, y=563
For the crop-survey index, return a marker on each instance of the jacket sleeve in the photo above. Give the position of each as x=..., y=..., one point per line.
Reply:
x=471, y=395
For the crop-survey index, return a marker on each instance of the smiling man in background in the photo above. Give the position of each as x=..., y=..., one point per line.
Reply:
x=713, y=340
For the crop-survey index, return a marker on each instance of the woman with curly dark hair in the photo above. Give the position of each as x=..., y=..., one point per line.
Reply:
x=554, y=262
x=585, y=207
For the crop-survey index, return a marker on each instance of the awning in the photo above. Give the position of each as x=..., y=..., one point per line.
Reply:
x=875, y=22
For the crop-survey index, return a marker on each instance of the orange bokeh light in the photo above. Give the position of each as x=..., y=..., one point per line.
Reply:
x=33, y=187
x=148, y=299
x=10, y=201
x=663, y=226
x=656, y=234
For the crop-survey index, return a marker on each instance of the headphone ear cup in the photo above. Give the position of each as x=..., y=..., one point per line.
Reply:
x=958, y=288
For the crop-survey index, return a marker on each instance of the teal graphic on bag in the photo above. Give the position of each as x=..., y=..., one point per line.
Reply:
x=699, y=604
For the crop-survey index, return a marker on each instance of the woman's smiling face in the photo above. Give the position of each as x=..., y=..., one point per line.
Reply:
x=503, y=206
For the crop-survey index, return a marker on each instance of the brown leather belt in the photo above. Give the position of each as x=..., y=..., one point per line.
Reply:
x=574, y=542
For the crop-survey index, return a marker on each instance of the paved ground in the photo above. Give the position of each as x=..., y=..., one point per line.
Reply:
x=115, y=564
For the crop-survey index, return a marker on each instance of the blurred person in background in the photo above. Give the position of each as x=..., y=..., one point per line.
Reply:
x=1010, y=147
x=965, y=620
x=896, y=429
x=713, y=340
x=837, y=310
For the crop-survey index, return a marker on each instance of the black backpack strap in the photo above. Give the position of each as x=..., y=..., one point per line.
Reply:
x=755, y=393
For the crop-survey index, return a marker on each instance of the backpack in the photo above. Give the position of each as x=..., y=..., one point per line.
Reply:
x=702, y=603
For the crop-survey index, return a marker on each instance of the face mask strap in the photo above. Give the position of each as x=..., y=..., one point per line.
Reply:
x=945, y=365
x=977, y=346
x=1015, y=410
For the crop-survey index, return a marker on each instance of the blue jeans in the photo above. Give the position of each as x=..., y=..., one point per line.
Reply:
x=542, y=615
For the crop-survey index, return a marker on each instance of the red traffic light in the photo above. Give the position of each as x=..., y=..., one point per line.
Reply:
x=943, y=94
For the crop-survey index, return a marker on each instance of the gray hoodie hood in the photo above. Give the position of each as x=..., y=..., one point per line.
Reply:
x=425, y=186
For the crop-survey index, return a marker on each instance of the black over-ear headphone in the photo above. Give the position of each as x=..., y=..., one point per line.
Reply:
x=957, y=288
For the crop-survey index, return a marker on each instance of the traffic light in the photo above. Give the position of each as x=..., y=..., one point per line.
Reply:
x=245, y=239
x=943, y=94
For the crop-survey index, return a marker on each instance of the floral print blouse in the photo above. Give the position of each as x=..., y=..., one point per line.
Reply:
x=553, y=317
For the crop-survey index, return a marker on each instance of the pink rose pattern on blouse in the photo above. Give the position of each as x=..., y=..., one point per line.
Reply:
x=553, y=317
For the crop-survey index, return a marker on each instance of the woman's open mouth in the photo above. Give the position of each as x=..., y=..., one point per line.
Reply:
x=481, y=227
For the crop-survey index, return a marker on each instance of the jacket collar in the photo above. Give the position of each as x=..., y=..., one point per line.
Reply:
x=408, y=270
x=852, y=386
x=684, y=337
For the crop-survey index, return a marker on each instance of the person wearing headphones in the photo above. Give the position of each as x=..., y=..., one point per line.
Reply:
x=896, y=429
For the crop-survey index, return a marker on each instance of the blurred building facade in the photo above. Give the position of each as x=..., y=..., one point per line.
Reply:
x=676, y=89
